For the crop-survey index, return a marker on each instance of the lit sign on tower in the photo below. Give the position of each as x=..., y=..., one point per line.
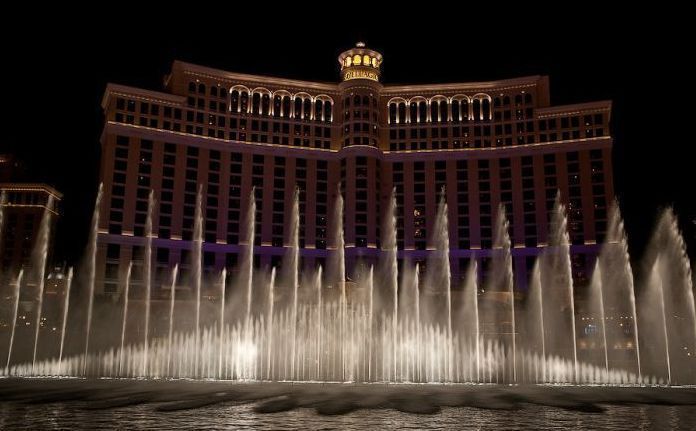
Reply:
x=360, y=63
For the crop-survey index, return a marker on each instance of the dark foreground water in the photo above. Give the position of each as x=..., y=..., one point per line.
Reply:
x=125, y=404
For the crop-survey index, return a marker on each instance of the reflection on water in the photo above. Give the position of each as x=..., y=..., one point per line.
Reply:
x=243, y=416
x=181, y=404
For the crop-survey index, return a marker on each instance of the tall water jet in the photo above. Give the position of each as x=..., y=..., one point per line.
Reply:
x=66, y=307
x=340, y=269
x=320, y=307
x=17, y=292
x=438, y=276
x=672, y=272
x=269, y=335
x=470, y=314
x=501, y=277
x=658, y=286
x=39, y=260
x=597, y=307
x=248, y=262
x=535, y=316
x=616, y=272
x=557, y=282
x=147, y=277
x=291, y=266
x=223, y=282
x=91, y=271
x=124, y=322
x=390, y=271
x=172, y=301
x=197, y=257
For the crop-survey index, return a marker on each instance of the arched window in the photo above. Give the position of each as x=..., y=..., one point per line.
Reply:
x=518, y=99
x=465, y=109
x=318, y=109
x=277, y=102
x=527, y=98
x=392, y=113
x=328, y=111
x=366, y=101
x=298, y=107
x=346, y=102
x=192, y=87
x=201, y=88
x=307, y=109
x=213, y=91
x=477, y=110
x=256, y=103
x=265, y=104
x=506, y=100
x=497, y=102
x=244, y=102
x=422, y=112
x=402, y=112
x=356, y=100
x=366, y=60
x=455, y=111
x=443, y=110
x=286, y=106
x=433, y=111
x=486, y=109
x=357, y=60
x=414, y=112
x=234, y=101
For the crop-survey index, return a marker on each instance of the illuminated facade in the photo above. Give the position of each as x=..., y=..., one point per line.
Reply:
x=488, y=143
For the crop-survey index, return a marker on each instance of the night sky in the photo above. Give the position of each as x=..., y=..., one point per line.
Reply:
x=55, y=72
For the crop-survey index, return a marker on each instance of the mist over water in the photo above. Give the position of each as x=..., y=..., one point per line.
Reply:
x=393, y=323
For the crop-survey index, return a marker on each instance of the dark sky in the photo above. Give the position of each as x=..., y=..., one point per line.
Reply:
x=55, y=72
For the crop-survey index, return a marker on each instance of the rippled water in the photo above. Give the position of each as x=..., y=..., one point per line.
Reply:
x=64, y=416
x=143, y=405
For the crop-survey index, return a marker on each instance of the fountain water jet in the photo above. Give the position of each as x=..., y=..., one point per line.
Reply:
x=293, y=266
x=147, y=276
x=91, y=270
x=536, y=312
x=223, y=282
x=66, y=306
x=557, y=281
x=126, y=292
x=172, y=299
x=616, y=269
x=197, y=257
x=40, y=255
x=597, y=306
x=17, y=292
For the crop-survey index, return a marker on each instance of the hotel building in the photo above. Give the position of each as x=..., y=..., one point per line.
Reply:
x=488, y=143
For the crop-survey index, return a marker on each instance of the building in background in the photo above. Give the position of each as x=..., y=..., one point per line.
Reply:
x=487, y=143
x=23, y=207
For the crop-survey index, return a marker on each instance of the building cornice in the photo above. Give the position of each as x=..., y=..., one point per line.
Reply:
x=468, y=87
x=31, y=187
x=574, y=109
x=258, y=80
x=139, y=93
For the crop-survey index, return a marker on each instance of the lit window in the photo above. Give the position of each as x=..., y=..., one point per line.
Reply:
x=349, y=61
x=357, y=60
x=374, y=62
x=366, y=60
